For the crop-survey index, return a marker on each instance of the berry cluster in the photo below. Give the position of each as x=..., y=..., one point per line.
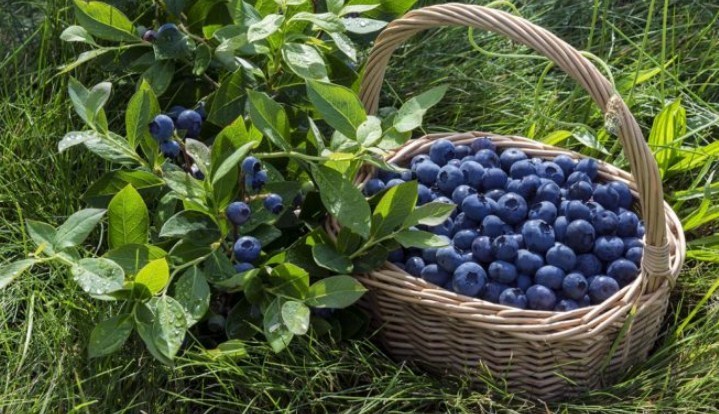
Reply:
x=527, y=232
x=163, y=127
x=247, y=248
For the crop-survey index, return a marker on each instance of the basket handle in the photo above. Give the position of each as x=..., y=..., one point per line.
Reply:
x=642, y=163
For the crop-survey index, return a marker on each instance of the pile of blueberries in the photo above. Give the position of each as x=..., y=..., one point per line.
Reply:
x=163, y=127
x=247, y=249
x=527, y=232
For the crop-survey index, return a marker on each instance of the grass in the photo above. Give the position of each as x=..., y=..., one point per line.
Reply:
x=45, y=320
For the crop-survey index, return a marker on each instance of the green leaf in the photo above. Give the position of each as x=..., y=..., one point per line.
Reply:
x=327, y=257
x=419, y=239
x=167, y=325
x=228, y=103
x=193, y=293
x=586, y=138
x=430, y=214
x=159, y=75
x=243, y=320
x=229, y=163
x=98, y=276
x=266, y=233
x=96, y=100
x=363, y=25
x=109, y=335
x=144, y=322
x=175, y=6
x=290, y=280
x=77, y=34
x=191, y=225
x=128, y=219
x=357, y=8
x=328, y=22
x=370, y=131
x=42, y=234
x=668, y=127
x=305, y=61
x=171, y=43
x=133, y=257
x=277, y=334
x=410, y=114
x=114, y=181
x=186, y=251
x=82, y=58
x=556, y=137
x=264, y=28
x=200, y=153
x=334, y=6
x=186, y=186
x=10, y=271
x=105, y=21
x=203, y=58
x=154, y=275
x=86, y=103
x=270, y=118
x=343, y=200
x=141, y=109
x=113, y=148
x=344, y=44
x=339, y=106
x=335, y=292
x=394, y=207
x=77, y=227
x=296, y=316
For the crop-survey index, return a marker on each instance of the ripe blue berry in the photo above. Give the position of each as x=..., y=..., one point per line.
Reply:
x=544, y=210
x=608, y=248
x=407, y=175
x=492, y=291
x=560, y=228
x=487, y=158
x=442, y=151
x=373, y=186
x=427, y=172
x=588, y=166
x=513, y=297
x=444, y=229
x=461, y=192
x=418, y=159
x=510, y=156
x=577, y=210
x=566, y=163
x=625, y=195
x=430, y=255
x=548, y=191
x=483, y=143
x=414, y=266
x=628, y=223
x=167, y=27
x=505, y=248
x=503, y=272
x=273, y=203
x=575, y=286
x=528, y=262
x=476, y=206
x=605, y=222
x=492, y=226
x=522, y=168
x=247, y=249
x=238, y=213
x=576, y=177
x=463, y=239
x=394, y=182
x=386, y=175
x=562, y=257
x=463, y=222
x=469, y=279
x=580, y=236
x=161, y=128
x=551, y=171
x=449, y=258
x=512, y=208
x=549, y=276
x=396, y=256
x=606, y=196
x=191, y=122
x=493, y=178
x=495, y=195
x=623, y=271
x=482, y=249
x=588, y=265
x=635, y=255
x=566, y=305
x=529, y=185
x=251, y=166
x=243, y=267
x=170, y=149
x=435, y=274
x=524, y=282
x=580, y=190
x=541, y=298
x=257, y=181
x=538, y=235
x=454, y=162
x=461, y=151
x=473, y=173
x=149, y=36
x=602, y=288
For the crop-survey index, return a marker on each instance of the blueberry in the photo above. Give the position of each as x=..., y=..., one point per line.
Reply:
x=170, y=149
x=528, y=262
x=580, y=190
x=243, y=267
x=454, y=162
x=149, y=36
x=580, y=236
x=424, y=194
x=502, y=271
x=446, y=228
x=623, y=271
x=602, y=288
x=608, y=248
x=396, y=256
x=394, y=182
x=469, y=279
x=427, y=172
x=273, y=203
x=407, y=175
x=562, y=257
x=175, y=111
x=513, y=297
x=495, y=195
x=473, y=173
x=544, y=210
x=461, y=192
x=435, y=274
x=251, y=166
x=509, y=156
x=492, y=226
x=449, y=258
x=549, y=276
x=566, y=163
x=522, y=168
x=494, y=178
x=631, y=242
x=487, y=158
x=418, y=159
x=463, y=239
x=577, y=210
x=584, y=301
x=576, y=177
x=524, y=282
x=482, y=249
x=247, y=249
x=167, y=26
x=373, y=186
x=606, y=196
x=191, y=122
x=505, y=248
x=414, y=266
x=628, y=223
x=541, y=298
x=538, y=235
x=387, y=175
x=635, y=255
x=430, y=255
x=257, y=181
x=588, y=264
x=625, y=195
x=548, y=191
x=588, y=166
x=512, y=208
x=200, y=109
x=492, y=291
x=483, y=143
x=476, y=207
x=529, y=185
x=575, y=286
x=461, y=151
x=640, y=229
x=463, y=222
x=605, y=222
x=551, y=171
x=566, y=305
x=161, y=128
x=560, y=228
x=196, y=172
x=442, y=151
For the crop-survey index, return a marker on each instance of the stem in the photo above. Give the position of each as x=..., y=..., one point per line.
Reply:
x=291, y=154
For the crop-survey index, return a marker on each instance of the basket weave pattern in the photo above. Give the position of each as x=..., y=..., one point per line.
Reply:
x=548, y=355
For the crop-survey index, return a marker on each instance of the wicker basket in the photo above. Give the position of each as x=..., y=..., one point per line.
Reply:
x=547, y=355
